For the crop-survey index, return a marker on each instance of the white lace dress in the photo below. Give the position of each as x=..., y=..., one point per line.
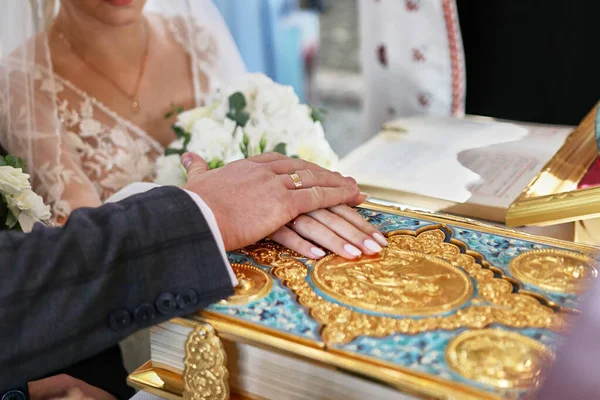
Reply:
x=91, y=152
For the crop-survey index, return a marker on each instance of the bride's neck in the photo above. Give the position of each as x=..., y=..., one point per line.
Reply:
x=100, y=41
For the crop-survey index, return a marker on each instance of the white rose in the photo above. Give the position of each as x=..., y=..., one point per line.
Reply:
x=27, y=221
x=187, y=119
x=249, y=85
x=210, y=139
x=29, y=201
x=277, y=102
x=28, y=208
x=169, y=171
x=311, y=145
x=13, y=180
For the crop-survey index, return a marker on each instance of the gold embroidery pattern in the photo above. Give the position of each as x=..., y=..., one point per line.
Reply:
x=254, y=284
x=556, y=270
x=494, y=302
x=499, y=358
x=205, y=374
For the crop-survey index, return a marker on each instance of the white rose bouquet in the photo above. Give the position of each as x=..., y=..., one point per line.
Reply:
x=250, y=116
x=20, y=207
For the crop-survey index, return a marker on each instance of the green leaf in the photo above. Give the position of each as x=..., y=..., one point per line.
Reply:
x=318, y=114
x=169, y=152
x=294, y=156
x=179, y=131
x=14, y=162
x=281, y=148
x=186, y=141
x=242, y=118
x=244, y=150
x=215, y=163
x=239, y=117
x=237, y=101
x=174, y=111
x=263, y=144
x=2, y=161
x=246, y=140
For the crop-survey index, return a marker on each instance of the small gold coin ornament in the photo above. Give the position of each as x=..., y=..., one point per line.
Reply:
x=555, y=270
x=253, y=284
x=499, y=358
x=398, y=282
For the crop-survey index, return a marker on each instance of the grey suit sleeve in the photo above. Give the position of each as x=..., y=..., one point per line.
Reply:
x=69, y=293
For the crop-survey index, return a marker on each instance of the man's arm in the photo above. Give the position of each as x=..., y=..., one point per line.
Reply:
x=68, y=293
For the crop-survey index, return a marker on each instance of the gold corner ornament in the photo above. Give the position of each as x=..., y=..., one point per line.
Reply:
x=370, y=296
x=555, y=270
x=205, y=375
x=253, y=284
x=499, y=358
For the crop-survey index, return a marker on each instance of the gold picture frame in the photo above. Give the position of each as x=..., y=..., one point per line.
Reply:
x=553, y=197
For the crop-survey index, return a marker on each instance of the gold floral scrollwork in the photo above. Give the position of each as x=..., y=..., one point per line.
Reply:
x=506, y=360
x=346, y=311
x=555, y=270
x=205, y=375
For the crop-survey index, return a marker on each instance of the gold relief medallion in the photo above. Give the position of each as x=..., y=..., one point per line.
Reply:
x=398, y=282
x=498, y=358
x=253, y=284
x=555, y=270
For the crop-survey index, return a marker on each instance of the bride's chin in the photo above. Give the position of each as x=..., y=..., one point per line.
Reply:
x=115, y=13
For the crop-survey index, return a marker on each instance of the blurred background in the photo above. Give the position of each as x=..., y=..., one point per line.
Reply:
x=312, y=45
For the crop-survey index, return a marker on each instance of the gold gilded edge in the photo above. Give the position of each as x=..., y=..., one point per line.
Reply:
x=556, y=208
x=402, y=379
x=483, y=227
x=152, y=380
x=551, y=197
x=147, y=376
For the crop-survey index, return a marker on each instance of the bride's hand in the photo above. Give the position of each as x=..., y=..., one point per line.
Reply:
x=339, y=229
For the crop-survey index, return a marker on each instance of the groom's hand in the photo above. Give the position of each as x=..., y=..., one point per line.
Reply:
x=253, y=198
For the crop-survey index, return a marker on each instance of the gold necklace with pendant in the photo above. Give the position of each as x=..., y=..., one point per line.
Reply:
x=133, y=97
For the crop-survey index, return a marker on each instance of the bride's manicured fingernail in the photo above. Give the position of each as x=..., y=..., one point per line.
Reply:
x=317, y=252
x=367, y=195
x=353, y=251
x=380, y=239
x=371, y=245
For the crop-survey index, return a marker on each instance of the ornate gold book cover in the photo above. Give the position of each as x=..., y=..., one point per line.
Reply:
x=451, y=309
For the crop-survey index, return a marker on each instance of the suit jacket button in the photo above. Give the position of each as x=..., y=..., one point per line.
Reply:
x=187, y=299
x=119, y=320
x=15, y=395
x=144, y=314
x=166, y=304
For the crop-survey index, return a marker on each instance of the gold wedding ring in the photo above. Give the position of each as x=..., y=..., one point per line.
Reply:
x=296, y=179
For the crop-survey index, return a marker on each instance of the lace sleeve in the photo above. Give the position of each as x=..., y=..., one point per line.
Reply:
x=30, y=129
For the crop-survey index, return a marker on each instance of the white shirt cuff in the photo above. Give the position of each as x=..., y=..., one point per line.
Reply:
x=141, y=187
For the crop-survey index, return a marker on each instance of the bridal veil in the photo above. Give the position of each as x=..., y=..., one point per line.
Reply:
x=34, y=122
